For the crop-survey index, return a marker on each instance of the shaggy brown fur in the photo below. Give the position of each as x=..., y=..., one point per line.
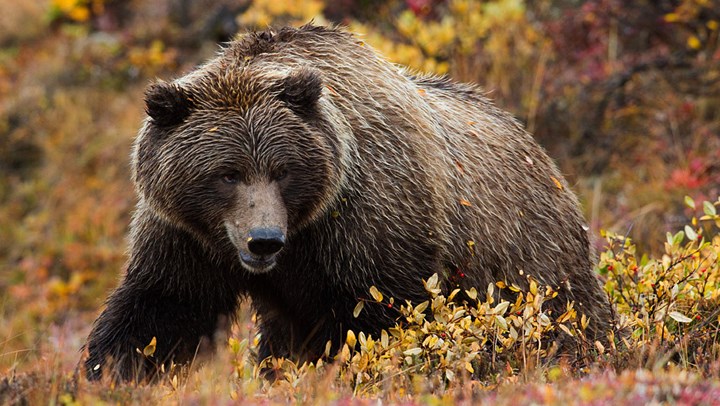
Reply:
x=306, y=142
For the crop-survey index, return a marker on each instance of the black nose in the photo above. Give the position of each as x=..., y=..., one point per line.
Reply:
x=265, y=241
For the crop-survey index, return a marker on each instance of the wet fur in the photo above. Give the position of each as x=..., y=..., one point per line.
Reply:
x=390, y=175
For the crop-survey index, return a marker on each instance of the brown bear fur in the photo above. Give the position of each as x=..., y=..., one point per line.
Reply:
x=368, y=174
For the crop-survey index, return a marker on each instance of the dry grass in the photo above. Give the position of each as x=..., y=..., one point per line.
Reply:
x=69, y=108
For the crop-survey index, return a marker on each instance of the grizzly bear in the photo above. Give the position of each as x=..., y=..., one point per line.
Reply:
x=299, y=168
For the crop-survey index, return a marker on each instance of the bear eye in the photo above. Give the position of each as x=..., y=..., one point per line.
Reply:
x=231, y=178
x=281, y=174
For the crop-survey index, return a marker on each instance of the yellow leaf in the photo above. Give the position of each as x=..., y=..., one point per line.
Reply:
x=413, y=351
x=465, y=203
x=600, y=347
x=472, y=293
x=501, y=308
x=557, y=182
x=432, y=282
x=358, y=309
x=554, y=374
x=149, y=349
x=679, y=317
x=501, y=322
x=671, y=17
x=344, y=354
x=64, y=5
x=471, y=245
x=689, y=202
x=351, y=340
x=234, y=345
x=79, y=13
x=375, y=293
x=566, y=330
x=421, y=92
x=693, y=42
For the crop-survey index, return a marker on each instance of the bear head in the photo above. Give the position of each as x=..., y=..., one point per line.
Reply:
x=239, y=158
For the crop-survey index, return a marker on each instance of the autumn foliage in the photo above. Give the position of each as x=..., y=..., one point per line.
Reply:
x=624, y=95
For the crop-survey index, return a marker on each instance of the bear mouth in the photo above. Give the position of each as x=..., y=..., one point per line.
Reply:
x=257, y=263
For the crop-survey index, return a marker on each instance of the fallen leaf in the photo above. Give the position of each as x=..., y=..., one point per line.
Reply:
x=557, y=182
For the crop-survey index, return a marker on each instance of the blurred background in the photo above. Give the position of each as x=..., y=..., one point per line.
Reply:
x=624, y=95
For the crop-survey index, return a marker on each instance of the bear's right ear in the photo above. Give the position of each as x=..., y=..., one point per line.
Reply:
x=167, y=104
x=301, y=91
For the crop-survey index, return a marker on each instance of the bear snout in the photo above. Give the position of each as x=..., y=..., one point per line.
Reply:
x=265, y=241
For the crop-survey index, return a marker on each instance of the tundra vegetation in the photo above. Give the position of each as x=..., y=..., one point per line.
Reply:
x=624, y=95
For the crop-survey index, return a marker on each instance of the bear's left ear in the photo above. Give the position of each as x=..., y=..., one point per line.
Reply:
x=301, y=91
x=167, y=104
